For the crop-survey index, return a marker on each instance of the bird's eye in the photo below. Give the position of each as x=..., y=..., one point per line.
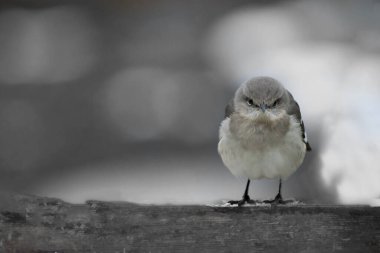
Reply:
x=249, y=102
x=276, y=103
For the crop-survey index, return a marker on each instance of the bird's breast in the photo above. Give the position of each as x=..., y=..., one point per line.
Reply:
x=265, y=153
x=259, y=132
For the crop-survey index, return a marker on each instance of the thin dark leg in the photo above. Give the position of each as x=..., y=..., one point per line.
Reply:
x=245, y=196
x=279, y=196
x=278, y=199
x=245, y=199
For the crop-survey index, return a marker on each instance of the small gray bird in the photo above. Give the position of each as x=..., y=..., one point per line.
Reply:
x=262, y=134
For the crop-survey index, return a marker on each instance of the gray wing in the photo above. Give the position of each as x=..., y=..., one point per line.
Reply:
x=294, y=109
x=229, y=109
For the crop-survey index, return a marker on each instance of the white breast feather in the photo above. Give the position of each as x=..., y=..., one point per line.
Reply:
x=272, y=161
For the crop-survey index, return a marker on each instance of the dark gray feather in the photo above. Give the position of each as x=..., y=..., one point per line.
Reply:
x=294, y=109
x=229, y=109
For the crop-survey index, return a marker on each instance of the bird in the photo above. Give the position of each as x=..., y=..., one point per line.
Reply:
x=262, y=135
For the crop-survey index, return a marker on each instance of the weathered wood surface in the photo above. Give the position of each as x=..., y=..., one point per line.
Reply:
x=32, y=224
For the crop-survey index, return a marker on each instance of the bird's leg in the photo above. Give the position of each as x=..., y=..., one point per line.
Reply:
x=278, y=199
x=245, y=199
x=279, y=196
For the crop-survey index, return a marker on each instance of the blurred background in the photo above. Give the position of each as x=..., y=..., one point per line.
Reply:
x=122, y=99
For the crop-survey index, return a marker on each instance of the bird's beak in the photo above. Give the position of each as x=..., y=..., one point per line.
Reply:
x=263, y=107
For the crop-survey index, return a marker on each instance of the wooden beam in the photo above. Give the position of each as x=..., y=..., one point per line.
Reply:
x=35, y=224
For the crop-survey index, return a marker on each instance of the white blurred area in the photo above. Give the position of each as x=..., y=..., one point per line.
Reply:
x=158, y=178
x=335, y=81
x=121, y=100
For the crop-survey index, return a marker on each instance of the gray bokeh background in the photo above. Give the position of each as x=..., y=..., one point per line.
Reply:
x=122, y=99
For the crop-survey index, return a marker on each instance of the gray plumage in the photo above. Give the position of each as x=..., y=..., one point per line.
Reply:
x=263, y=134
x=292, y=109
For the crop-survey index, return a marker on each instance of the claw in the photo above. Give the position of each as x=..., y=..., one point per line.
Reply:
x=277, y=200
x=244, y=200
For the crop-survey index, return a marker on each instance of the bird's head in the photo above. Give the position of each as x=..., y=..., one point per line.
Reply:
x=261, y=97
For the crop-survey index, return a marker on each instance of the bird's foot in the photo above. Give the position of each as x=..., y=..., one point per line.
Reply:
x=277, y=200
x=245, y=200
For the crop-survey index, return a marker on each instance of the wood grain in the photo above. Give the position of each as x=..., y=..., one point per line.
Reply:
x=35, y=224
